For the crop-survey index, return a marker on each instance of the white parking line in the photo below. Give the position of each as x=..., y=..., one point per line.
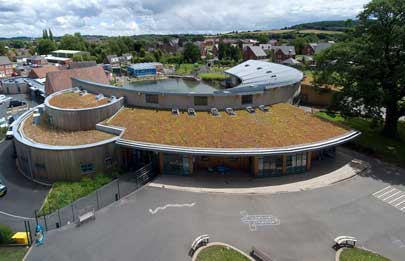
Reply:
x=396, y=193
x=392, y=201
x=399, y=203
x=391, y=196
x=385, y=193
x=381, y=190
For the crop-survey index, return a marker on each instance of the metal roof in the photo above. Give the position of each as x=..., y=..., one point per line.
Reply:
x=144, y=66
x=259, y=75
x=4, y=60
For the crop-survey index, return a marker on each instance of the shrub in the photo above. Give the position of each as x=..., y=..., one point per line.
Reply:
x=5, y=234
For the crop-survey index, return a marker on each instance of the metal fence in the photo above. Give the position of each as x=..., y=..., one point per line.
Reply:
x=98, y=199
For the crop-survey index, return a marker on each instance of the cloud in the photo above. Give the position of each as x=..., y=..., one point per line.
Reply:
x=128, y=17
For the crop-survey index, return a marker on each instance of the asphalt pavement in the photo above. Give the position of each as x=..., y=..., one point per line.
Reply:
x=160, y=224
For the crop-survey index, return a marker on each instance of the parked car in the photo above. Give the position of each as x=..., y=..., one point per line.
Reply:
x=10, y=119
x=9, y=133
x=3, y=189
x=16, y=103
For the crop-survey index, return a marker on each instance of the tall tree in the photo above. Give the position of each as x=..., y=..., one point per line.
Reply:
x=44, y=34
x=50, y=34
x=73, y=42
x=3, y=50
x=45, y=46
x=370, y=64
x=191, y=53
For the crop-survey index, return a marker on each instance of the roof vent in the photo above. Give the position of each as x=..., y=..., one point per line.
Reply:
x=247, y=65
x=36, y=118
x=259, y=68
x=273, y=76
x=214, y=112
x=99, y=96
x=113, y=98
x=76, y=89
x=250, y=109
x=175, y=112
x=82, y=93
x=269, y=72
x=230, y=112
x=264, y=108
x=191, y=112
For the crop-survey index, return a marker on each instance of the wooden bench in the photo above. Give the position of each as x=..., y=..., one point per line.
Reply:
x=199, y=242
x=86, y=217
x=259, y=255
x=344, y=241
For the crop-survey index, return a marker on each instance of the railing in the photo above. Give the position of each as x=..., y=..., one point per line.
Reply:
x=98, y=199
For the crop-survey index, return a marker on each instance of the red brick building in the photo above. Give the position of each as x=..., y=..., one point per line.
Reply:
x=6, y=67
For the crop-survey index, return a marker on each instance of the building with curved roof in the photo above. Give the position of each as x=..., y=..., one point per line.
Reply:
x=251, y=126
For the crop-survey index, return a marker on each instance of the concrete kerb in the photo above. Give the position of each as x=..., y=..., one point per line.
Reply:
x=220, y=244
x=346, y=172
x=338, y=253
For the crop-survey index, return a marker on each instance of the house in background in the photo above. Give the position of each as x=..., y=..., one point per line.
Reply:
x=282, y=53
x=40, y=72
x=61, y=80
x=68, y=53
x=36, y=60
x=254, y=53
x=6, y=67
x=314, y=48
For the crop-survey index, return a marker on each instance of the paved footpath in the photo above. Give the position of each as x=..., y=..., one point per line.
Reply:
x=160, y=224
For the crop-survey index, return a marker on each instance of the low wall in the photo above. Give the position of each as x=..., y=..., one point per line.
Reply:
x=184, y=101
x=81, y=119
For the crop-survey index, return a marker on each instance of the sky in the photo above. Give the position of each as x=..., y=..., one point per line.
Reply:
x=134, y=17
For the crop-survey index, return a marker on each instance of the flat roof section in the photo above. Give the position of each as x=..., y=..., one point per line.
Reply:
x=73, y=100
x=44, y=134
x=285, y=125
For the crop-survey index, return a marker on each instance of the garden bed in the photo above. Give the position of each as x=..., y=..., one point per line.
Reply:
x=356, y=254
x=220, y=253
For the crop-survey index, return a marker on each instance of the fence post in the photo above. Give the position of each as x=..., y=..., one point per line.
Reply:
x=46, y=226
x=97, y=201
x=26, y=232
x=60, y=221
x=73, y=213
x=118, y=188
x=29, y=230
x=36, y=216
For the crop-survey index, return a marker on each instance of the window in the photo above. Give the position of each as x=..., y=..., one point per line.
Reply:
x=86, y=168
x=247, y=99
x=200, y=100
x=152, y=98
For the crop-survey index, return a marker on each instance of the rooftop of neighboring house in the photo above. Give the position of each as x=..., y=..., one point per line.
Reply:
x=83, y=64
x=286, y=49
x=257, y=50
x=41, y=72
x=318, y=47
x=4, y=60
x=61, y=80
x=77, y=100
x=284, y=125
x=44, y=134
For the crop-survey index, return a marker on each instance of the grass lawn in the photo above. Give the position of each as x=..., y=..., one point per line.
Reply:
x=220, y=253
x=356, y=254
x=371, y=140
x=63, y=192
x=213, y=76
x=12, y=253
x=186, y=68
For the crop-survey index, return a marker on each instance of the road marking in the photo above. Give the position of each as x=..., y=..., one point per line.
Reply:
x=396, y=193
x=259, y=220
x=16, y=216
x=172, y=206
x=381, y=190
x=385, y=193
x=399, y=203
x=392, y=201
x=391, y=196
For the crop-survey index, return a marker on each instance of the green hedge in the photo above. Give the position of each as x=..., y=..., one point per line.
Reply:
x=5, y=234
x=212, y=76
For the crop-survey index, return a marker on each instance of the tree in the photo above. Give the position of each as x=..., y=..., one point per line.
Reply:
x=299, y=44
x=44, y=34
x=45, y=46
x=3, y=50
x=73, y=42
x=50, y=34
x=370, y=65
x=191, y=53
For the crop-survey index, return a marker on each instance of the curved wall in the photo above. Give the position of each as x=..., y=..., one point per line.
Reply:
x=221, y=101
x=80, y=119
x=66, y=164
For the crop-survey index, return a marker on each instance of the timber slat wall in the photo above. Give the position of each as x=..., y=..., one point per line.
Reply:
x=75, y=120
x=54, y=165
